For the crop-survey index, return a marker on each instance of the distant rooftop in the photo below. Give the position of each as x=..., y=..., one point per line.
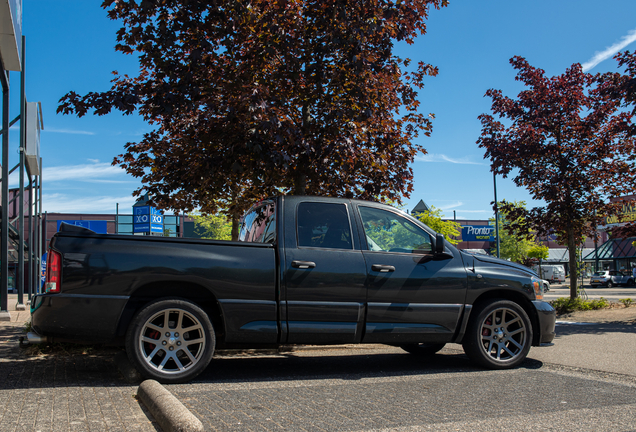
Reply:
x=420, y=207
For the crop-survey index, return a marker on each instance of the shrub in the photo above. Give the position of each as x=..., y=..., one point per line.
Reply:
x=565, y=304
x=627, y=302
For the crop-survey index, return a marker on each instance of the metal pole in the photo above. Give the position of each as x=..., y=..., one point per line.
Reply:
x=36, y=236
x=116, y=220
x=42, y=240
x=31, y=254
x=494, y=181
x=4, y=226
x=20, y=272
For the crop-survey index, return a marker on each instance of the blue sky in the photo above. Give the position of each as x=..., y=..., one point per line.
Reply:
x=70, y=46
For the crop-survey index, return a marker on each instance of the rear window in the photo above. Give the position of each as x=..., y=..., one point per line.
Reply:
x=259, y=224
x=323, y=225
x=599, y=274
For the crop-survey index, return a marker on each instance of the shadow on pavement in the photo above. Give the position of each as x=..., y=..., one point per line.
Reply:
x=347, y=367
x=595, y=328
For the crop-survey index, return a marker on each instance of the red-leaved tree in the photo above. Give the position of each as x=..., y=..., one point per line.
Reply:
x=567, y=143
x=253, y=99
x=622, y=88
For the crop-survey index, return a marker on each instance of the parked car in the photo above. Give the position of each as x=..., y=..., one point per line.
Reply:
x=551, y=272
x=610, y=278
x=307, y=270
x=546, y=285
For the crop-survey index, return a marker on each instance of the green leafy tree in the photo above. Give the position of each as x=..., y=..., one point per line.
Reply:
x=215, y=227
x=252, y=99
x=538, y=252
x=433, y=219
x=516, y=241
x=565, y=141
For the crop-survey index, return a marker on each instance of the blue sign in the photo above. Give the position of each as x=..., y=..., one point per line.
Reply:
x=147, y=219
x=478, y=233
x=100, y=227
x=43, y=269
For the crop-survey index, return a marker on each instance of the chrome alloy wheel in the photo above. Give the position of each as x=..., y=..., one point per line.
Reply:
x=172, y=341
x=503, y=335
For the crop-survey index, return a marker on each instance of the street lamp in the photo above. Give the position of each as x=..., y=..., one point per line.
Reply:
x=494, y=181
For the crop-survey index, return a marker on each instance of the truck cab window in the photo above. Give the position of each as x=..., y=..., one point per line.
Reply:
x=259, y=225
x=389, y=232
x=323, y=225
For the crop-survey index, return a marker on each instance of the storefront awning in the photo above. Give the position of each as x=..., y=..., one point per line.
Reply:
x=613, y=249
x=562, y=255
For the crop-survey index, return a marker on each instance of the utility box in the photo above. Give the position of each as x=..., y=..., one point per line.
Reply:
x=11, y=34
x=33, y=126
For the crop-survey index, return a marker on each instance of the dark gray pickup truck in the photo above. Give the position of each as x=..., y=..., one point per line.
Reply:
x=307, y=270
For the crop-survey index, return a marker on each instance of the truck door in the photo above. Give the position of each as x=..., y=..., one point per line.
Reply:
x=412, y=295
x=324, y=275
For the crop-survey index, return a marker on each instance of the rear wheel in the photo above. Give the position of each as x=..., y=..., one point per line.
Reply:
x=170, y=340
x=423, y=349
x=499, y=335
x=610, y=284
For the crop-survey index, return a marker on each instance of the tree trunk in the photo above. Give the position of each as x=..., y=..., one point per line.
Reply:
x=574, y=268
x=300, y=184
x=235, y=227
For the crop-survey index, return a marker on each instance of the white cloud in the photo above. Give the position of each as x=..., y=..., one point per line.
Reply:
x=609, y=52
x=438, y=157
x=452, y=206
x=60, y=203
x=69, y=131
x=87, y=172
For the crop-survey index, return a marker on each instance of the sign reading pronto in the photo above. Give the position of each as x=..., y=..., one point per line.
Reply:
x=147, y=219
x=478, y=233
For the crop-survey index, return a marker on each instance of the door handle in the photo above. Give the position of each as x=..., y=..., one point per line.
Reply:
x=382, y=268
x=303, y=264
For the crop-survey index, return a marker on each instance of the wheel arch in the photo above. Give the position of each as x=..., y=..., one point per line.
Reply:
x=189, y=291
x=513, y=296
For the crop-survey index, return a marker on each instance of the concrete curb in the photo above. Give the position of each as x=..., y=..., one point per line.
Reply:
x=171, y=414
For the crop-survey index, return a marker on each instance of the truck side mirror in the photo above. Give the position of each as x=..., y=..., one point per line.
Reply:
x=439, y=244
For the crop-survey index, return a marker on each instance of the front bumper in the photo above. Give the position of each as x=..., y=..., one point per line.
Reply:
x=547, y=322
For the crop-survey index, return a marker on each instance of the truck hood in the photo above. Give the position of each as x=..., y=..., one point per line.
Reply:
x=497, y=261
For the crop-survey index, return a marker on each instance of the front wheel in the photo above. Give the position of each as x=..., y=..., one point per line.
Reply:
x=170, y=340
x=610, y=284
x=499, y=335
x=423, y=349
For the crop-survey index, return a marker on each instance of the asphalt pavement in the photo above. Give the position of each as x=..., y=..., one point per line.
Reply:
x=613, y=294
x=585, y=382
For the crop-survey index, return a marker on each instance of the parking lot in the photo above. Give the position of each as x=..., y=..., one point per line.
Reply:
x=585, y=382
x=612, y=294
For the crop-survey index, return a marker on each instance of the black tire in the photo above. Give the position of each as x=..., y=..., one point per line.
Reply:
x=423, y=349
x=610, y=284
x=630, y=283
x=184, y=344
x=499, y=334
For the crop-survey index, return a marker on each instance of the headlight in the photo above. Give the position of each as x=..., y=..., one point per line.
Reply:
x=537, y=284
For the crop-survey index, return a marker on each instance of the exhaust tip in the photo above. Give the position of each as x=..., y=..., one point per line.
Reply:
x=35, y=338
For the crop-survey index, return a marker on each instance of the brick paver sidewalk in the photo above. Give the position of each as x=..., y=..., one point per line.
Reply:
x=62, y=392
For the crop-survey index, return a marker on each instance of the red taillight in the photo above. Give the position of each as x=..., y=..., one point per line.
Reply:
x=53, y=272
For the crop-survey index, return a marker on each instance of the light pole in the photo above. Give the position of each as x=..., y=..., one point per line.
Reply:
x=494, y=182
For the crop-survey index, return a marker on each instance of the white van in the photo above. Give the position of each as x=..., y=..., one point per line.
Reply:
x=551, y=272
